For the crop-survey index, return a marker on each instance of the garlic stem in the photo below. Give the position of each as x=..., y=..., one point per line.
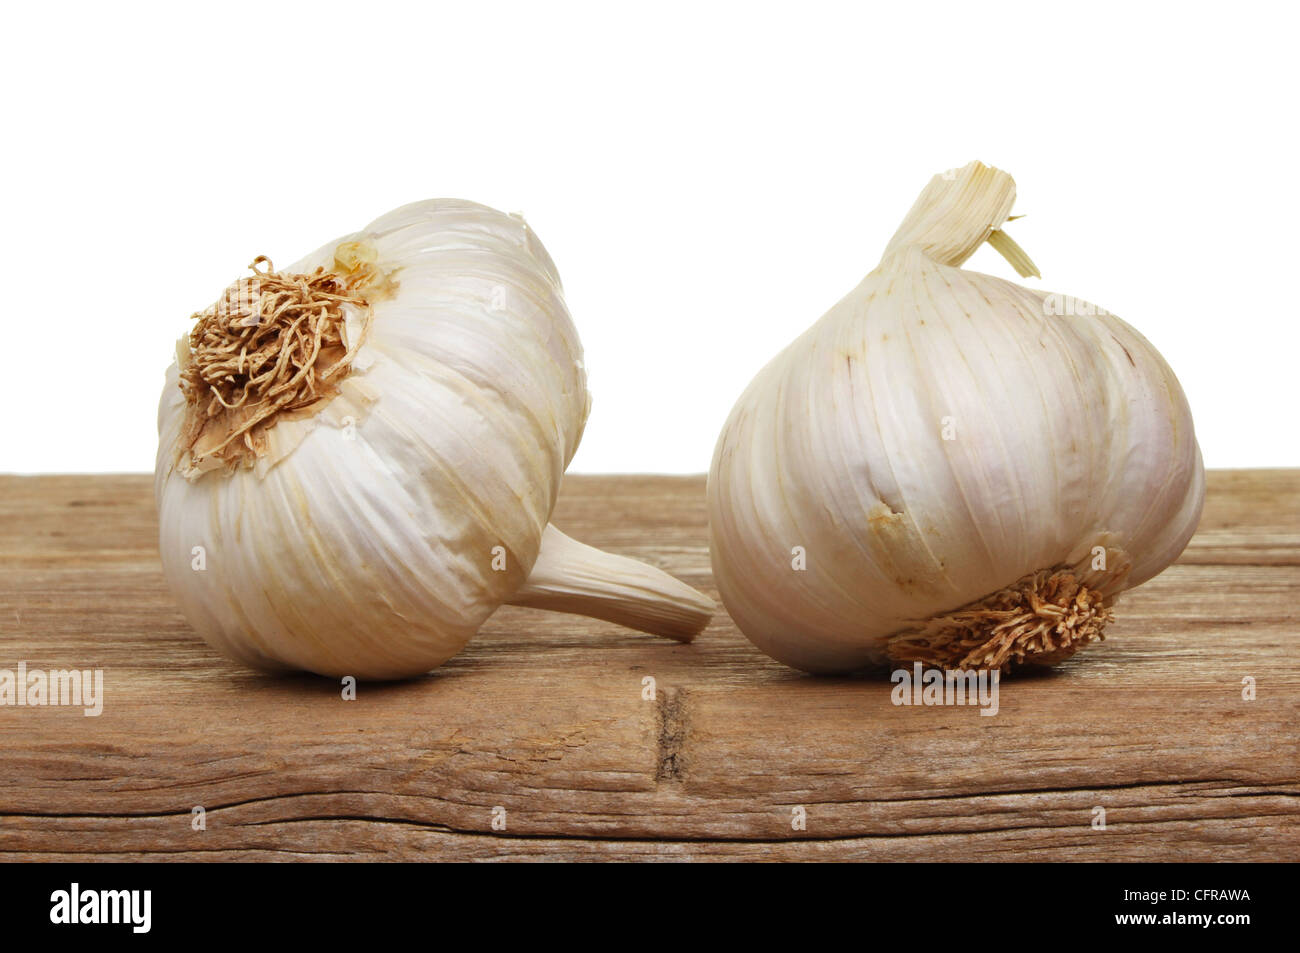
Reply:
x=957, y=212
x=570, y=576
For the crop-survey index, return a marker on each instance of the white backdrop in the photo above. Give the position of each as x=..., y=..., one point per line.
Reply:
x=709, y=178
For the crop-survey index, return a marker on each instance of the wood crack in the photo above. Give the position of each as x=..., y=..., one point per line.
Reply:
x=673, y=723
x=803, y=837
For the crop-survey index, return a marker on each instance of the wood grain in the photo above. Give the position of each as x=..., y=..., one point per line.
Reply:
x=543, y=716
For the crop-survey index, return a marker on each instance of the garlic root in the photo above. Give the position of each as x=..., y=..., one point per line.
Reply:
x=272, y=346
x=1042, y=619
x=573, y=577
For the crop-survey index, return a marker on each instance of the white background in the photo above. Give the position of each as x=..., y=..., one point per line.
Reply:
x=708, y=177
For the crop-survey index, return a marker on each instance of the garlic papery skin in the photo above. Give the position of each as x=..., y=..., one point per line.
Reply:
x=429, y=392
x=945, y=467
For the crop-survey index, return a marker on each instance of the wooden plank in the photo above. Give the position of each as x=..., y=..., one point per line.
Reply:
x=543, y=716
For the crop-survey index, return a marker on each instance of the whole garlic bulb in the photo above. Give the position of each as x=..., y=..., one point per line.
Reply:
x=948, y=467
x=358, y=457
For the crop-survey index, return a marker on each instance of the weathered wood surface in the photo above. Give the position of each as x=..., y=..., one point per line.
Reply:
x=543, y=716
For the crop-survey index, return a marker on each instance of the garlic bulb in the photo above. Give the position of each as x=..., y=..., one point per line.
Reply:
x=358, y=457
x=947, y=467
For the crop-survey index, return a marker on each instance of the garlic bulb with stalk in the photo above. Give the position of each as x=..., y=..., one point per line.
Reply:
x=947, y=467
x=358, y=456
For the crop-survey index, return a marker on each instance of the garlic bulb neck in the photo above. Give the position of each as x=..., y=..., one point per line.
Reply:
x=957, y=212
x=272, y=345
x=570, y=576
